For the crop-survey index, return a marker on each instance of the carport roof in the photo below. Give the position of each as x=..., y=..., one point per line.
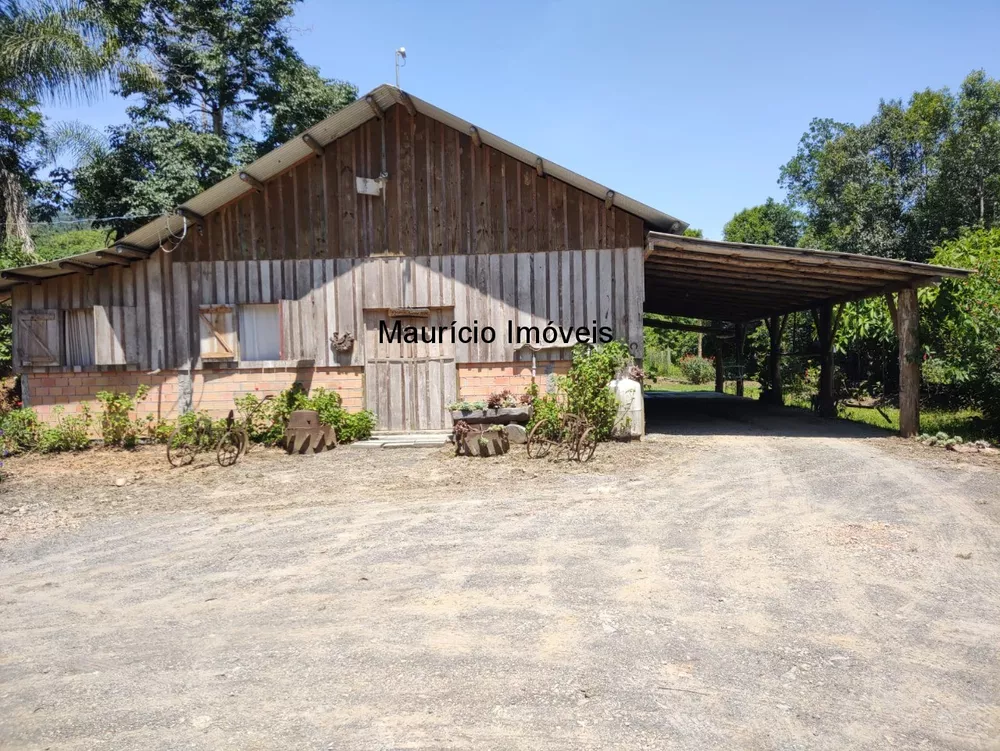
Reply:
x=721, y=281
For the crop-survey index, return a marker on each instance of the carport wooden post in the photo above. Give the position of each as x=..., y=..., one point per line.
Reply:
x=774, y=359
x=720, y=376
x=907, y=320
x=824, y=321
x=741, y=335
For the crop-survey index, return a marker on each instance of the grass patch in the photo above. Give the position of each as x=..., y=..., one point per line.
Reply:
x=962, y=422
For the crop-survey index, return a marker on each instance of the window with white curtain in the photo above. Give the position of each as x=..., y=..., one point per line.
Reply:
x=78, y=333
x=260, y=332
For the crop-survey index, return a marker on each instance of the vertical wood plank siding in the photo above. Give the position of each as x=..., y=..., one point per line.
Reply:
x=460, y=227
x=444, y=196
x=568, y=288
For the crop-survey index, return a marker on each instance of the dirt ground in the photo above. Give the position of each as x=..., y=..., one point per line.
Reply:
x=743, y=578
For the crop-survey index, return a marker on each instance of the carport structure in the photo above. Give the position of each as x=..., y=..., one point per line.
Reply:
x=741, y=284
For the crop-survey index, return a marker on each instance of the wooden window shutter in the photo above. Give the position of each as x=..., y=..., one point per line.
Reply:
x=218, y=332
x=115, y=335
x=38, y=337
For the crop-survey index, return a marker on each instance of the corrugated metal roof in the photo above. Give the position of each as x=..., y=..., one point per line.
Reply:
x=151, y=234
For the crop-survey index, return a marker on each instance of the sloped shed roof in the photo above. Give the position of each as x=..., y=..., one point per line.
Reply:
x=150, y=235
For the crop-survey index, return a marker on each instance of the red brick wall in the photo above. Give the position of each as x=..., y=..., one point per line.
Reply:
x=212, y=391
x=476, y=381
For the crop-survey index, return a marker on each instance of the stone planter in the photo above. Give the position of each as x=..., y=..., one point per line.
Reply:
x=501, y=416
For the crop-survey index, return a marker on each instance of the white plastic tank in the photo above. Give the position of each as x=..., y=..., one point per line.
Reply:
x=630, y=422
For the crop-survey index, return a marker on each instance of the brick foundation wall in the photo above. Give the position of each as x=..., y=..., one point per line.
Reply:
x=212, y=390
x=476, y=381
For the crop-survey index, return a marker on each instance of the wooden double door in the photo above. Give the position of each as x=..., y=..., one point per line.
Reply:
x=408, y=385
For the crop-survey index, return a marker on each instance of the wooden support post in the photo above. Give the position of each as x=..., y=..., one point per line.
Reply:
x=907, y=317
x=132, y=251
x=774, y=327
x=720, y=376
x=741, y=335
x=824, y=326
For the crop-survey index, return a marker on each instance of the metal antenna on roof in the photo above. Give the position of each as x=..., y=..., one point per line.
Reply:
x=400, y=55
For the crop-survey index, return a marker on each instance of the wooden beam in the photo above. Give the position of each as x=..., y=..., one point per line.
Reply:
x=115, y=258
x=540, y=167
x=892, y=312
x=313, y=144
x=677, y=326
x=408, y=103
x=132, y=251
x=609, y=199
x=476, y=138
x=196, y=219
x=379, y=114
x=909, y=363
x=82, y=268
x=252, y=181
x=22, y=278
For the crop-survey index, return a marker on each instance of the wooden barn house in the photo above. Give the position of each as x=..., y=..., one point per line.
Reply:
x=390, y=212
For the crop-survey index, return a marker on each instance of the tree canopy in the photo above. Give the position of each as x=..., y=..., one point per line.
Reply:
x=911, y=177
x=770, y=223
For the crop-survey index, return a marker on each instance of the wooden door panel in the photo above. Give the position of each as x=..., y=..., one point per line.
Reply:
x=408, y=385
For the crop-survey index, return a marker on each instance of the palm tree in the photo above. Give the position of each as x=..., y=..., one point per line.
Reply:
x=50, y=50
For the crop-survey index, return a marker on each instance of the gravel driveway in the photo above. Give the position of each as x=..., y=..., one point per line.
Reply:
x=755, y=579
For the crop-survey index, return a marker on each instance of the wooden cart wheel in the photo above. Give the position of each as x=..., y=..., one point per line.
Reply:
x=182, y=447
x=585, y=445
x=227, y=450
x=538, y=444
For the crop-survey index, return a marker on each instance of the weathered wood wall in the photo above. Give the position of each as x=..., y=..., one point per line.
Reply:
x=445, y=196
x=158, y=300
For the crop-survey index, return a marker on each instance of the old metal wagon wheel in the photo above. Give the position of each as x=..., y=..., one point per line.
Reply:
x=229, y=448
x=585, y=445
x=182, y=447
x=539, y=443
x=187, y=441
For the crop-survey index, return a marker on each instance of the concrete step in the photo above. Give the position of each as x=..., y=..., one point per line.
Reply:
x=426, y=439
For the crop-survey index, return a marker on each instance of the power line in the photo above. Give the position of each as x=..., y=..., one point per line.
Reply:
x=98, y=219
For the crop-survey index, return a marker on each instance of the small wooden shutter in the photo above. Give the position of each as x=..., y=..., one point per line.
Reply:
x=296, y=337
x=38, y=337
x=115, y=335
x=218, y=332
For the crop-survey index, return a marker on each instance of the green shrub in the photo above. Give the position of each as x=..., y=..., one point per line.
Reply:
x=355, y=426
x=21, y=430
x=697, y=370
x=118, y=428
x=584, y=390
x=269, y=418
x=70, y=432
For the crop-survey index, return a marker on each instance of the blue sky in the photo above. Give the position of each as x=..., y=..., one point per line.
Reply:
x=689, y=107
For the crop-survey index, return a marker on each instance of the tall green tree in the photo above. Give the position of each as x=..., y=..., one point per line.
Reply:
x=908, y=179
x=229, y=86
x=770, y=223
